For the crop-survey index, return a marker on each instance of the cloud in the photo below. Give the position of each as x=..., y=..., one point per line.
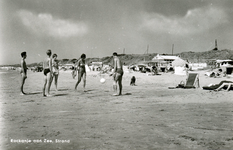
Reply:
x=195, y=21
x=46, y=24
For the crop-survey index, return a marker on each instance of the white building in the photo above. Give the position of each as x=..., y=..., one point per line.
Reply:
x=166, y=58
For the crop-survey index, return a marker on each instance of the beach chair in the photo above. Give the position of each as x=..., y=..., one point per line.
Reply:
x=192, y=81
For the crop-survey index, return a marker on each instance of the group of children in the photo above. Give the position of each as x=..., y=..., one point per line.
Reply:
x=51, y=71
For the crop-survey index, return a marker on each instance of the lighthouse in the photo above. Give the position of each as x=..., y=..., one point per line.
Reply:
x=216, y=46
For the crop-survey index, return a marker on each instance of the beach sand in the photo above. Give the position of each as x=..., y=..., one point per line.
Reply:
x=146, y=116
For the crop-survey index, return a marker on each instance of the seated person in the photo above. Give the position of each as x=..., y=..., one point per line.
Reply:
x=133, y=80
x=169, y=67
x=215, y=74
x=154, y=70
x=218, y=74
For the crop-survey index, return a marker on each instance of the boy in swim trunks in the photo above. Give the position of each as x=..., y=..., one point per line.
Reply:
x=117, y=74
x=48, y=72
x=81, y=71
x=23, y=71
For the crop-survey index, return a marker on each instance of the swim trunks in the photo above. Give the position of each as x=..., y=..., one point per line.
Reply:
x=118, y=74
x=46, y=71
x=119, y=71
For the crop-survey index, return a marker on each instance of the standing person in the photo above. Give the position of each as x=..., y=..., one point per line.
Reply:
x=48, y=72
x=55, y=69
x=117, y=74
x=23, y=71
x=81, y=71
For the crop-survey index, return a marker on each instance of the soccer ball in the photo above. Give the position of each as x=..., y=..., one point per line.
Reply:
x=102, y=80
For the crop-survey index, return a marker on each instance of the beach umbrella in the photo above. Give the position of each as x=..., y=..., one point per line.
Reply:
x=178, y=62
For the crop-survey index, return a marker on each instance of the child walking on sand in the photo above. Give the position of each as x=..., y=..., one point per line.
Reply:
x=23, y=71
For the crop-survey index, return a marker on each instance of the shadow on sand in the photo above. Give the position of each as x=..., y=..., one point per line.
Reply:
x=127, y=94
x=88, y=90
x=33, y=93
x=63, y=89
x=56, y=95
x=122, y=94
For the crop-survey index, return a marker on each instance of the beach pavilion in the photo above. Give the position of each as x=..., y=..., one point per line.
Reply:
x=164, y=60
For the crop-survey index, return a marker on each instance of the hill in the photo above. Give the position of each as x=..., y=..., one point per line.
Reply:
x=129, y=59
x=208, y=55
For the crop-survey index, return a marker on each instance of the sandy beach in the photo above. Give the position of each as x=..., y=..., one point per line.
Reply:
x=147, y=116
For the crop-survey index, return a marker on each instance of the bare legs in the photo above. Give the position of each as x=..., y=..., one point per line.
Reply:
x=80, y=77
x=22, y=83
x=45, y=83
x=48, y=78
x=117, y=80
x=120, y=85
x=115, y=86
x=55, y=81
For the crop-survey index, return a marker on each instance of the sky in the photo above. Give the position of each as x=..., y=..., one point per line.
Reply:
x=100, y=27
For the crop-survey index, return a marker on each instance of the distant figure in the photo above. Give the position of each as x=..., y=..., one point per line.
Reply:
x=81, y=71
x=169, y=67
x=215, y=74
x=117, y=74
x=186, y=68
x=218, y=74
x=23, y=71
x=48, y=73
x=154, y=70
x=133, y=81
x=55, y=69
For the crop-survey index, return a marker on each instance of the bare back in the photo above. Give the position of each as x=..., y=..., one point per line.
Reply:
x=117, y=63
x=118, y=68
x=47, y=63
